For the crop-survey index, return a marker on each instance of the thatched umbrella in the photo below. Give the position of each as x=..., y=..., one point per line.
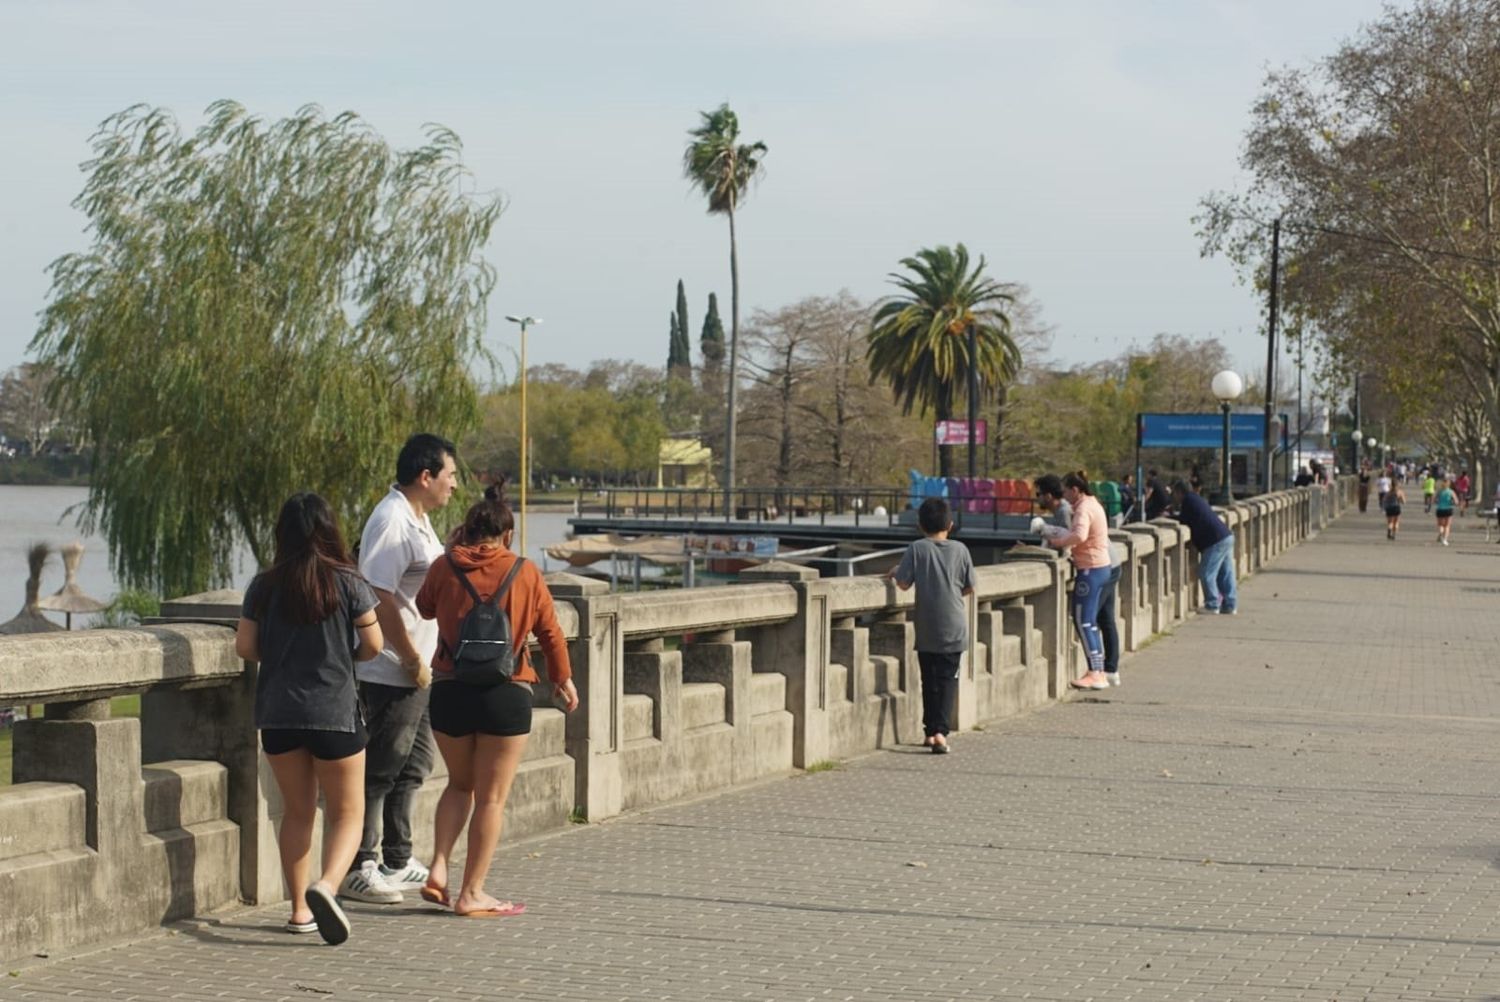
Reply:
x=30, y=618
x=70, y=599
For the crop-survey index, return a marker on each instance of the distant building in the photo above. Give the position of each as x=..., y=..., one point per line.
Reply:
x=684, y=461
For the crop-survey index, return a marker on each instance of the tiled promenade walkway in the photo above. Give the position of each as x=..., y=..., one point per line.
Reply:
x=1296, y=803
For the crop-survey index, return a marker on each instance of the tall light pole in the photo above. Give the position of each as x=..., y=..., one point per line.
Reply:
x=973, y=400
x=525, y=460
x=1227, y=387
x=1274, y=283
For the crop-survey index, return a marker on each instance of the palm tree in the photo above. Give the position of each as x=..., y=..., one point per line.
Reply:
x=919, y=341
x=719, y=166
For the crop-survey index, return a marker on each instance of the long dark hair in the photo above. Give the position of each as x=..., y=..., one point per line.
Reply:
x=309, y=553
x=488, y=518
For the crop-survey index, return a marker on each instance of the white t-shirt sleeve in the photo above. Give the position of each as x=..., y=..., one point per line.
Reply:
x=384, y=556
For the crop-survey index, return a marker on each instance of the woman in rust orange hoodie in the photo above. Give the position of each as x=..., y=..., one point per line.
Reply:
x=481, y=730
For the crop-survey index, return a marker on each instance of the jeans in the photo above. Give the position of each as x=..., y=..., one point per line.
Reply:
x=397, y=760
x=1109, y=629
x=939, y=686
x=1216, y=575
x=1088, y=589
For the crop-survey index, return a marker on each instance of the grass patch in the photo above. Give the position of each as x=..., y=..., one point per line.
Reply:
x=120, y=706
x=578, y=817
x=823, y=765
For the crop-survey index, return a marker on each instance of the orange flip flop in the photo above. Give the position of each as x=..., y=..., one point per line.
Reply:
x=504, y=911
x=436, y=895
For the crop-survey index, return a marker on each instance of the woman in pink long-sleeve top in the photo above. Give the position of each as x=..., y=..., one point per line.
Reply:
x=1089, y=541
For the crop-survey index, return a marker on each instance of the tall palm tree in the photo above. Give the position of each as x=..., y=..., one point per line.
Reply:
x=721, y=167
x=919, y=338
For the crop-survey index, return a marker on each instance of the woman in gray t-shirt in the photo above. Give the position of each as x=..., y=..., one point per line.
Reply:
x=306, y=620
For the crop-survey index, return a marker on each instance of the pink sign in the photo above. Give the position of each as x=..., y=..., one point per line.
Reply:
x=957, y=432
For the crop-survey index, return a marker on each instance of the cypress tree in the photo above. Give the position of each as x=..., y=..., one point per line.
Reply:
x=711, y=377
x=685, y=347
x=712, y=339
x=674, y=347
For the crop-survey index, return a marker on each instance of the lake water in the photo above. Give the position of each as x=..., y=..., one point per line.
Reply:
x=42, y=514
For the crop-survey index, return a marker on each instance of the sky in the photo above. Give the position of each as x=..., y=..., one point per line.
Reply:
x=1067, y=141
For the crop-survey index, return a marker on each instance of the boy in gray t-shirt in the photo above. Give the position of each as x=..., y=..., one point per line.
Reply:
x=943, y=573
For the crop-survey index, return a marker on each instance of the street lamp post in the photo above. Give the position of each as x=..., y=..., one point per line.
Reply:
x=1227, y=386
x=1358, y=441
x=973, y=402
x=525, y=459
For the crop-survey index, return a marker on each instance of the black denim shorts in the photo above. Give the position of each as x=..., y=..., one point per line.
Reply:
x=501, y=710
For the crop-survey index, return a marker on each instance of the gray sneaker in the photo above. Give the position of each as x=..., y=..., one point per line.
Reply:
x=368, y=885
x=1113, y=677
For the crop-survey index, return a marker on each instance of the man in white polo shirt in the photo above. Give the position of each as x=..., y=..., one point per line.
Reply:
x=395, y=550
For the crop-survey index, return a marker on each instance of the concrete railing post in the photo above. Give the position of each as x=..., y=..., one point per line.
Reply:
x=1050, y=616
x=595, y=732
x=219, y=724
x=800, y=649
x=727, y=661
x=1153, y=568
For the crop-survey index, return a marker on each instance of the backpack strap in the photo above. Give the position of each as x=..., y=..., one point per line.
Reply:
x=463, y=579
x=505, y=585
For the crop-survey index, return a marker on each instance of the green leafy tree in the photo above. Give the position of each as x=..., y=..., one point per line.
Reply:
x=265, y=307
x=722, y=167
x=919, y=344
x=1381, y=161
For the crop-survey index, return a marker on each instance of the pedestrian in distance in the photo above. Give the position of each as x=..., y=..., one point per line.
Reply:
x=1444, y=504
x=1394, y=499
x=1429, y=490
x=1109, y=626
x=1156, y=498
x=1088, y=541
x=1462, y=486
x=482, y=702
x=1364, y=486
x=306, y=619
x=1128, y=499
x=942, y=571
x=1382, y=488
x=1215, y=545
x=396, y=549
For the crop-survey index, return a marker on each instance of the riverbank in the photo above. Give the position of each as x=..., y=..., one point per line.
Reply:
x=45, y=471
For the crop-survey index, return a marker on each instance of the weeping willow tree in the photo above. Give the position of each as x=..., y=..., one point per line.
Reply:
x=266, y=307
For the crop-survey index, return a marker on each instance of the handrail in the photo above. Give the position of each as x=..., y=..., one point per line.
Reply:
x=100, y=664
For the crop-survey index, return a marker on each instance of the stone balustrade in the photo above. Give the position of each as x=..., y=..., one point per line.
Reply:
x=113, y=826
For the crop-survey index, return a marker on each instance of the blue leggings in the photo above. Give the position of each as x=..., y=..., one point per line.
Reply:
x=1088, y=589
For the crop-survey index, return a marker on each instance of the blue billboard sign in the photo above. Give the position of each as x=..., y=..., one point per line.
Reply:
x=1204, y=431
